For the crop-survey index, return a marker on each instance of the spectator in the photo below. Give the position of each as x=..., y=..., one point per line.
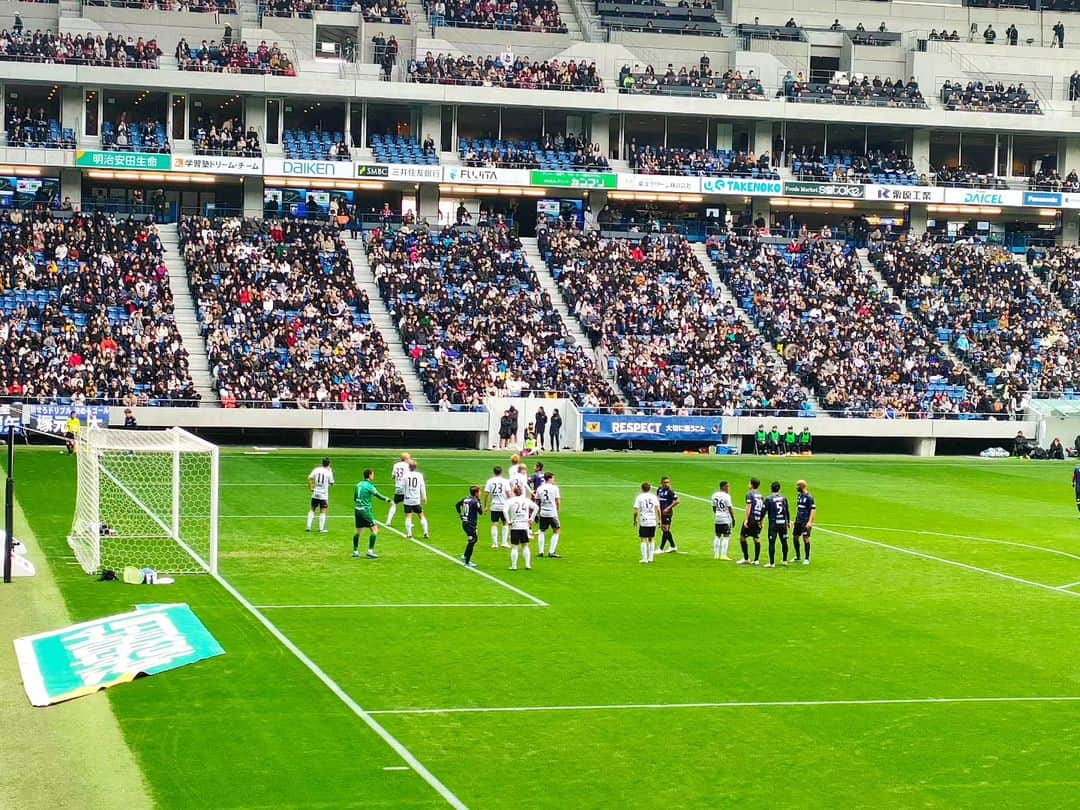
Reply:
x=521, y=73
x=989, y=35
x=1059, y=34
x=990, y=97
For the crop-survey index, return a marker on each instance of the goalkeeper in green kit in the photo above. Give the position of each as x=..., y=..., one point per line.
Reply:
x=365, y=517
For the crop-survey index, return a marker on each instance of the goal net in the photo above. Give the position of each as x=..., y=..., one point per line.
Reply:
x=146, y=498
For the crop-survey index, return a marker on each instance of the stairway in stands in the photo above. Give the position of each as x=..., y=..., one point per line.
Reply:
x=380, y=316
x=547, y=282
x=725, y=295
x=186, y=312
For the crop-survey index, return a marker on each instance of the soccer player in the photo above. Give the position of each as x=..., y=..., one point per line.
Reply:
x=537, y=478
x=751, y=527
x=519, y=477
x=401, y=466
x=319, y=482
x=415, y=498
x=668, y=501
x=723, y=518
x=469, y=510
x=496, y=491
x=364, y=516
x=549, y=500
x=804, y=519
x=520, y=511
x=776, y=505
x=646, y=517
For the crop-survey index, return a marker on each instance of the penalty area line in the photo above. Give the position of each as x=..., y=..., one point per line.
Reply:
x=405, y=605
x=479, y=572
x=734, y=704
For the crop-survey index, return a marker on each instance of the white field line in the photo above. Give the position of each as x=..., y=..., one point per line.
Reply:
x=750, y=704
x=480, y=573
x=1059, y=552
x=911, y=552
x=404, y=605
x=1070, y=585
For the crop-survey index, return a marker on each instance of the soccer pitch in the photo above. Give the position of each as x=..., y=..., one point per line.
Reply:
x=928, y=657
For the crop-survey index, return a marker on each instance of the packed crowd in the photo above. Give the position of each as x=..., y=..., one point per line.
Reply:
x=285, y=325
x=225, y=137
x=541, y=16
x=506, y=70
x=966, y=177
x=841, y=334
x=86, y=312
x=848, y=166
x=112, y=50
x=695, y=80
x=999, y=319
x=577, y=154
x=855, y=90
x=475, y=320
x=704, y=162
x=976, y=96
x=234, y=57
x=650, y=307
x=197, y=6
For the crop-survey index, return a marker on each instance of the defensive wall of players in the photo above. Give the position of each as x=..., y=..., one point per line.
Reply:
x=920, y=436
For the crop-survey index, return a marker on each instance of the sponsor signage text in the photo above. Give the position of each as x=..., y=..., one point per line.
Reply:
x=123, y=160
x=556, y=179
x=652, y=428
x=845, y=191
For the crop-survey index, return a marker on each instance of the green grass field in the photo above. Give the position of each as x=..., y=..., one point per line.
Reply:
x=927, y=658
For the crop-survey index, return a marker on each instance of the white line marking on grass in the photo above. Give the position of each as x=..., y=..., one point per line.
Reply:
x=923, y=555
x=396, y=768
x=403, y=605
x=456, y=561
x=1070, y=585
x=749, y=704
x=303, y=658
x=1059, y=552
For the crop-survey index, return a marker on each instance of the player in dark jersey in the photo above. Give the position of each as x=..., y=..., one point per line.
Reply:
x=469, y=510
x=668, y=501
x=776, y=506
x=804, y=519
x=536, y=479
x=751, y=527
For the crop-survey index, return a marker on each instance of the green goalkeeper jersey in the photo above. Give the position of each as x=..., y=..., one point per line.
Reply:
x=363, y=495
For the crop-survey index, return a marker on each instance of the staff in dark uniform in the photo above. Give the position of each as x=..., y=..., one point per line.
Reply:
x=540, y=423
x=668, y=501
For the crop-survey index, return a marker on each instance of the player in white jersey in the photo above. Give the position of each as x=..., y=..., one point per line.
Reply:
x=549, y=500
x=496, y=493
x=723, y=518
x=319, y=482
x=415, y=496
x=397, y=472
x=646, y=519
x=520, y=512
x=519, y=477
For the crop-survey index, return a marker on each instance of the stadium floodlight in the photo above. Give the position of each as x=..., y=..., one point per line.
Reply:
x=147, y=498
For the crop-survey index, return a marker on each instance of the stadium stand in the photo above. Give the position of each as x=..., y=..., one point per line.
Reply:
x=655, y=16
x=894, y=168
x=399, y=149
x=473, y=316
x=703, y=162
x=314, y=145
x=225, y=137
x=846, y=338
x=862, y=91
x=538, y=16
x=975, y=96
x=697, y=80
x=558, y=154
x=373, y=11
x=86, y=313
x=235, y=57
x=112, y=50
x=134, y=136
x=28, y=127
x=521, y=74
x=650, y=308
x=284, y=323
x=196, y=6
x=998, y=318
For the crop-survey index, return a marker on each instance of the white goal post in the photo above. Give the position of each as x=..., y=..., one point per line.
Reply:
x=147, y=498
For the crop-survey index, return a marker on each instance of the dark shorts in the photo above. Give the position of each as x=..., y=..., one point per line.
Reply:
x=399, y=497
x=778, y=531
x=469, y=529
x=546, y=523
x=665, y=520
x=519, y=537
x=363, y=520
x=319, y=503
x=646, y=532
x=414, y=509
x=723, y=529
x=751, y=528
x=801, y=530
x=498, y=516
